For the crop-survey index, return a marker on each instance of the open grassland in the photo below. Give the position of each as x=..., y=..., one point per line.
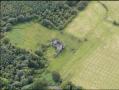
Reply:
x=92, y=64
x=31, y=35
x=113, y=9
x=99, y=68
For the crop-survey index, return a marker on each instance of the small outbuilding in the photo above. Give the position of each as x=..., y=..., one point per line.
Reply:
x=58, y=45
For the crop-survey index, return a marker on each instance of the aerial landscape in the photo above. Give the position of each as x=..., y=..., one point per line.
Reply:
x=59, y=45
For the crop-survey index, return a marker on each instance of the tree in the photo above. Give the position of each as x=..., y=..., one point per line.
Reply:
x=12, y=20
x=33, y=64
x=39, y=52
x=20, y=74
x=40, y=85
x=72, y=3
x=1, y=35
x=66, y=85
x=56, y=77
x=6, y=40
x=30, y=79
x=8, y=26
x=82, y=5
x=47, y=23
x=21, y=18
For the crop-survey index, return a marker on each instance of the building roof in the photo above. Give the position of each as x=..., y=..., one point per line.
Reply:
x=58, y=45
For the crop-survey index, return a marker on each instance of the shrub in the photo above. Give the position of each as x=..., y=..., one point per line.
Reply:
x=40, y=85
x=39, y=52
x=70, y=86
x=1, y=35
x=33, y=64
x=12, y=20
x=72, y=3
x=82, y=5
x=21, y=18
x=8, y=26
x=56, y=77
x=20, y=74
x=30, y=79
x=6, y=40
x=47, y=23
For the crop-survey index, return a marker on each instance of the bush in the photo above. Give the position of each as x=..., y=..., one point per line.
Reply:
x=47, y=23
x=8, y=26
x=33, y=64
x=10, y=63
x=39, y=52
x=20, y=74
x=40, y=85
x=21, y=18
x=72, y=3
x=12, y=20
x=56, y=77
x=6, y=40
x=70, y=86
x=24, y=82
x=1, y=35
x=30, y=79
x=82, y=5
x=51, y=14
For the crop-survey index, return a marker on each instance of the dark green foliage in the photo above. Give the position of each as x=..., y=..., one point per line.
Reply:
x=47, y=23
x=7, y=27
x=82, y=5
x=52, y=14
x=56, y=77
x=17, y=65
x=12, y=20
x=39, y=85
x=70, y=86
x=72, y=3
x=39, y=52
x=19, y=74
x=115, y=23
x=33, y=64
x=6, y=40
x=21, y=18
x=30, y=79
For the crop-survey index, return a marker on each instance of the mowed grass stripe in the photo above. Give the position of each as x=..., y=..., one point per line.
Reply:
x=102, y=71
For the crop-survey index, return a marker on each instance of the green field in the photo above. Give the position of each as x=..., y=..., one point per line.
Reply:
x=93, y=64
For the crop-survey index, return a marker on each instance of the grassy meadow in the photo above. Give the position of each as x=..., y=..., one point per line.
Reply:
x=92, y=64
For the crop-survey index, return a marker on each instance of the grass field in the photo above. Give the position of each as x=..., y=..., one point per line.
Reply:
x=94, y=63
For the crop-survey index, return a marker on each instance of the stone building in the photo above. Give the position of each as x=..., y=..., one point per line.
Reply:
x=58, y=45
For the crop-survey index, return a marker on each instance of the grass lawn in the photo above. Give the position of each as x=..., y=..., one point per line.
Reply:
x=31, y=35
x=92, y=64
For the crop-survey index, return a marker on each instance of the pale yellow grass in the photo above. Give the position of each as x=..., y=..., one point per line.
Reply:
x=101, y=69
x=113, y=7
x=96, y=64
x=86, y=21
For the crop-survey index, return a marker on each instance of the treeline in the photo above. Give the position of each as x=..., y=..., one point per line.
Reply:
x=52, y=14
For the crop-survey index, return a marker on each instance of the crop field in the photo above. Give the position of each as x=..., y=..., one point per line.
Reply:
x=91, y=55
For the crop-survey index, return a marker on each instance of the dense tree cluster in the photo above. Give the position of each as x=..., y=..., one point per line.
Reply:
x=18, y=66
x=52, y=14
